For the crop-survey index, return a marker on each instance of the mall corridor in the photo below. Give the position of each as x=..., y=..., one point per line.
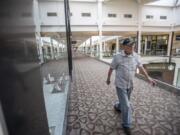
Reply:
x=90, y=112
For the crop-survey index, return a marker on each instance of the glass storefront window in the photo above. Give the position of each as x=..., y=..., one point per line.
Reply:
x=55, y=73
x=176, y=45
x=153, y=37
x=154, y=45
x=161, y=48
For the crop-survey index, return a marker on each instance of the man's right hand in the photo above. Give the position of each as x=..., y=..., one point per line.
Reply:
x=108, y=82
x=109, y=76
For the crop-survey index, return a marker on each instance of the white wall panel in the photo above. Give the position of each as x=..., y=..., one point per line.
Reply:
x=77, y=8
x=177, y=15
x=120, y=8
x=57, y=7
x=156, y=12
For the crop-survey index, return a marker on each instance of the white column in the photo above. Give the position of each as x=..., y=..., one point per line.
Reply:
x=41, y=50
x=52, y=52
x=90, y=46
x=104, y=46
x=92, y=50
x=176, y=75
x=85, y=47
x=59, y=52
x=100, y=27
x=46, y=50
x=139, y=26
x=98, y=50
x=139, y=42
x=36, y=16
x=145, y=46
x=170, y=34
x=117, y=44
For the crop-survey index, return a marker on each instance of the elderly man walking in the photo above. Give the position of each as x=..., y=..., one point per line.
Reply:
x=125, y=64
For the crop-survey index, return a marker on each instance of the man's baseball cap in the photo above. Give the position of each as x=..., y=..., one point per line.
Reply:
x=127, y=42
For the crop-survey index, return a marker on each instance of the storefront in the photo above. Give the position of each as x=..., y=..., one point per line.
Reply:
x=154, y=45
x=176, y=45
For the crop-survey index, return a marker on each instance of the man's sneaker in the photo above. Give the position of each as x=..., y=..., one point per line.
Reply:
x=116, y=108
x=127, y=130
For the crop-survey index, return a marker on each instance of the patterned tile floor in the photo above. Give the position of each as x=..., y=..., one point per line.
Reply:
x=155, y=110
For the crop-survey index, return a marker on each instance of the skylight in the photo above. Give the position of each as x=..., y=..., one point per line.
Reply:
x=170, y=3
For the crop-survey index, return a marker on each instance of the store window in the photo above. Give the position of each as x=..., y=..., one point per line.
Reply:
x=162, y=43
x=154, y=45
x=149, y=17
x=86, y=14
x=49, y=49
x=127, y=15
x=112, y=15
x=176, y=46
x=51, y=14
x=163, y=17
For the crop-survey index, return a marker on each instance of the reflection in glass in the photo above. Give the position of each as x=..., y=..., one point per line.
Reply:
x=55, y=74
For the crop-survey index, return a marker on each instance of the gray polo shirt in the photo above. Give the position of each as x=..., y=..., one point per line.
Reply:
x=125, y=66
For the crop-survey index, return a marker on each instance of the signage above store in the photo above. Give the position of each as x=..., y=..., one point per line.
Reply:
x=152, y=67
x=158, y=66
x=177, y=37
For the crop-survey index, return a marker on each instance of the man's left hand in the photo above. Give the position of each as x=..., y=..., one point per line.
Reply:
x=152, y=81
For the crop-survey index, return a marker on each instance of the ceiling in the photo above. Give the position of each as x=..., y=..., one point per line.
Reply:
x=146, y=2
x=170, y=3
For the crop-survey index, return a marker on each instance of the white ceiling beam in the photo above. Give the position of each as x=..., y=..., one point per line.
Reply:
x=145, y=1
